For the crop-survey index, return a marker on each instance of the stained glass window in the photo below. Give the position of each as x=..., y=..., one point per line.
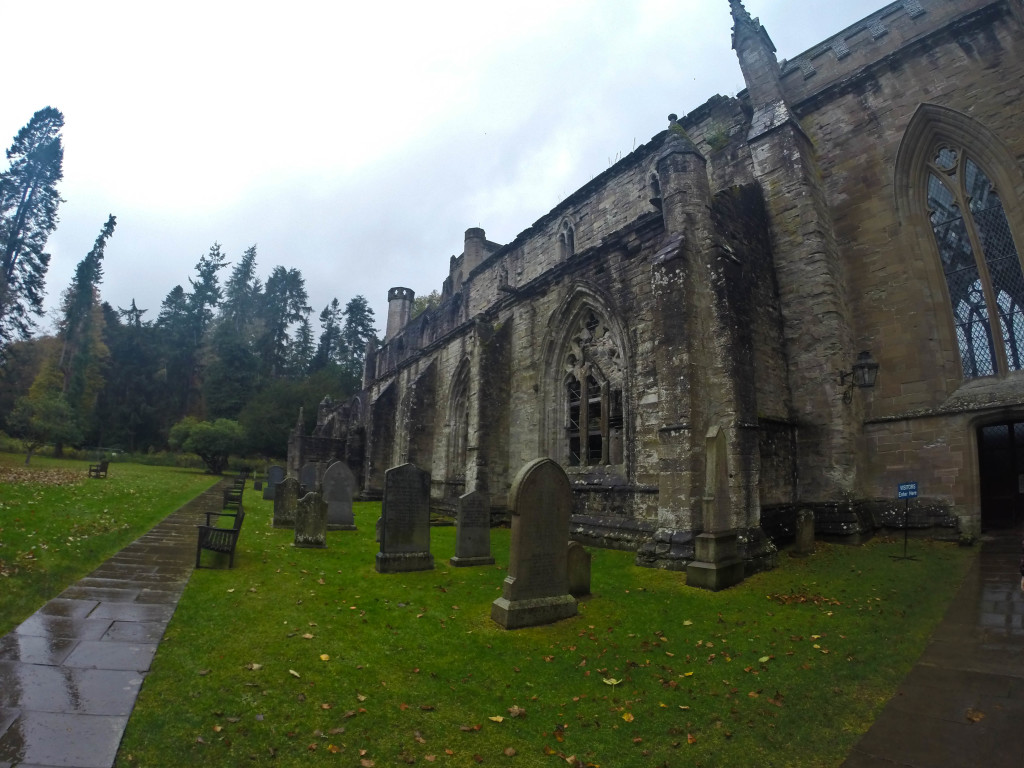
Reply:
x=980, y=262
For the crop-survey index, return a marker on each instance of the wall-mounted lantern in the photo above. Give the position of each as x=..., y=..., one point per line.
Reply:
x=863, y=375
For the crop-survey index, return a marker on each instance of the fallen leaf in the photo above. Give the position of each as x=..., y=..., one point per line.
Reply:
x=253, y=666
x=324, y=657
x=218, y=728
x=764, y=659
x=510, y=752
x=974, y=715
x=627, y=716
x=293, y=673
x=516, y=711
x=691, y=739
x=361, y=696
x=497, y=718
x=611, y=681
x=325, y=705
x=430, y=758
x=366, y=763
x=204, y=672
x=307, y=636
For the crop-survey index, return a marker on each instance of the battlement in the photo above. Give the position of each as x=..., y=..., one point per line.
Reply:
x=870, y=39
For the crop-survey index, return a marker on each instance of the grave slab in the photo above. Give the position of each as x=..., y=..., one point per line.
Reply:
x=473, y=531
x=536, y=590
x=405, y=521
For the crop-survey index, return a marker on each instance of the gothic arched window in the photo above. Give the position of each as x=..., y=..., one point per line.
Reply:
x=593, y=395
x=567, y=240
x=980, y=262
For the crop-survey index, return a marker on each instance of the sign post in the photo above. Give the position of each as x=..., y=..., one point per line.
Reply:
x=906, y=491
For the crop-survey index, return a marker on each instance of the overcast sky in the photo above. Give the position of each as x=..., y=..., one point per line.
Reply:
x=354, y=141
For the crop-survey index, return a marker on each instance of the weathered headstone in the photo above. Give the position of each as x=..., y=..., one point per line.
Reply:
x=536, y=590
x=579, y=570
x=308, y=477
x=405, y=521
x=716, y=564
x=311, y=522
x=275, y=475
x=257, y=485
x=804, y=533
x=473, y=532
x=285, y=501
x=339, y=486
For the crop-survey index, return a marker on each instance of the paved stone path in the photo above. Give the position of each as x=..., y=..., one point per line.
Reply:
x=70, y=673
x=962, y=705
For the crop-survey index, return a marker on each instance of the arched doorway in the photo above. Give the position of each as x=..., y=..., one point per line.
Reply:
x=1001, y=474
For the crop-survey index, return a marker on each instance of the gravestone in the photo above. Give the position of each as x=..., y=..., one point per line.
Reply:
x=275, y=475
x=311, y=522
x=405, y=521
x=716, y=564
x=285, y=501
x=257, y=485
x=473, y=531
x=308, y=477
x=804, y=544
x=536, y=590
x=339, y=486
x=579, y=570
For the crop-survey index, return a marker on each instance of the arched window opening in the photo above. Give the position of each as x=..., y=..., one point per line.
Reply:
x=458, y=436
x=593, y=395
x=567, y=240
x=979, y=261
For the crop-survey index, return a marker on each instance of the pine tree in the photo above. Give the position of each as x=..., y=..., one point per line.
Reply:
x=358, y=331
x=284, y=304
x=28, y=215
x=82, y=348
x=328, y=350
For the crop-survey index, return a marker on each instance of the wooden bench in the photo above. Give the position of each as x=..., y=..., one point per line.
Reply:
x=99, y=470
x=233, y=498
x=213, y=538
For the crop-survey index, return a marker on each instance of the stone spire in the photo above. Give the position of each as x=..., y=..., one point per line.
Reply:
x=756, y=53
x=739, y=13
x=742, y=22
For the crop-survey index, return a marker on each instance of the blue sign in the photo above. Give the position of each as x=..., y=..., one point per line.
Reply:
x=906, y=491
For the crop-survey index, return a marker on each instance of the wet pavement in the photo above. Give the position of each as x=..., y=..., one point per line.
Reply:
x=70, y=673
x=962, y=705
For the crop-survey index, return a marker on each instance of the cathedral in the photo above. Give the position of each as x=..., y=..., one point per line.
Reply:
x=808, y=297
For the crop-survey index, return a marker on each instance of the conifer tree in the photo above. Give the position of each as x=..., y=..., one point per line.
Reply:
x=28, y=215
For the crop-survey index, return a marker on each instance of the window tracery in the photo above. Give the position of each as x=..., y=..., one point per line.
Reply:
x=593, y=385
x=980, y=262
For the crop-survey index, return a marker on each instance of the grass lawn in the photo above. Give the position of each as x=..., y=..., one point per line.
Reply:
x=57, y=525
x=301, y=657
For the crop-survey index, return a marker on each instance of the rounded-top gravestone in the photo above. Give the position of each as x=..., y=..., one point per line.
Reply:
x=536, y=590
